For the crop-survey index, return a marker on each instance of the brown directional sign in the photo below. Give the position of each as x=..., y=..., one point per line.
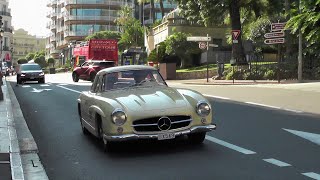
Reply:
x=277, y=26
x=274, y=34
x=274, y=41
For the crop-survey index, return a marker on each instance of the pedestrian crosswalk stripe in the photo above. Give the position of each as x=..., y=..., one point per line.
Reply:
x=312, y=175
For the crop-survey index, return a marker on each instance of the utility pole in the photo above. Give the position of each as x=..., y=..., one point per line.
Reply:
x=300, y=51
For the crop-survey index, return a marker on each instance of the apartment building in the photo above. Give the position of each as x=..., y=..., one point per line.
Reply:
x=25, y=43
x=6, y=33
x=73, y=20
x=144, y=11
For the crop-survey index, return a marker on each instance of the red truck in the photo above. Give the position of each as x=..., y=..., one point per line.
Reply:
x=96, y=49
x=92, y=56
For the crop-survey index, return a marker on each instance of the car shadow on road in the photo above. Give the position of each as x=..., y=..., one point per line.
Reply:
x=140, y=148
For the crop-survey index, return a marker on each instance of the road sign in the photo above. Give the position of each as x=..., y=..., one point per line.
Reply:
x=274, y=41
x=213, y=45
x=274, y=34
x=202, y=45
x=199, y=38
x=277, y=26
x=235, y=35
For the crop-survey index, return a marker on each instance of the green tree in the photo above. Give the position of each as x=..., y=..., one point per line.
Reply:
x=177, y=44
x=22, y=61
x=104, y=35
x=51, y=61
x=218, y=12
x=131, y=29
x=309, y=21
x=30, y=56
x=41, y=61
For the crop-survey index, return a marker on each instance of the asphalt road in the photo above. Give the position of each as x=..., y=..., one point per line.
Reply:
x=251, y=142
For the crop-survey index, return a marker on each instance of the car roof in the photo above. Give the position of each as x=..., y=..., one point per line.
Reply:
x=29, y=64
x=125, y=68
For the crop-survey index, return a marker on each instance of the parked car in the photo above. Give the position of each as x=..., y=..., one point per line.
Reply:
x=88, y=70
x=134, y=102
x=30, y=72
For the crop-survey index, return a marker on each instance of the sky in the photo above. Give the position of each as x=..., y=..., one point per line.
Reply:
x=30, y=15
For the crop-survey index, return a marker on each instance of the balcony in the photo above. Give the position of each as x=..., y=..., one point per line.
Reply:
x=5, y=13
x=52, y=3
x=102, y=19
x=61, y=29
x=52, y=39
x=54, y=51
x=76, y=33
x=96, y=3
x=6, y=29
x=61, y=43
x=166, y=6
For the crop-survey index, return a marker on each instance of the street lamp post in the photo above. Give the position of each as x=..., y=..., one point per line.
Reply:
x=62, y=56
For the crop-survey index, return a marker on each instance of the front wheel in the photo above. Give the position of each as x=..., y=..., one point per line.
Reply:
x=197, y=138
x=108, y=146
x=75, y=77
x=92, y=76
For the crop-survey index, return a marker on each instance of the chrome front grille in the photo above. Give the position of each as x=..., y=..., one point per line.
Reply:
x=151, y=124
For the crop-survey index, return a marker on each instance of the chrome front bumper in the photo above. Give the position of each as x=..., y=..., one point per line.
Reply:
x=125, y=137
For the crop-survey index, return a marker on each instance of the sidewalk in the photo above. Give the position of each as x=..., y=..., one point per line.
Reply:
x=10, y=158
x=18, y=151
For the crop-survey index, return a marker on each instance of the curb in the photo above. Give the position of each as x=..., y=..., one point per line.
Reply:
x=26, y=163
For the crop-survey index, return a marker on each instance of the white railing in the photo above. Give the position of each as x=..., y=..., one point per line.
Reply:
x=94, y=18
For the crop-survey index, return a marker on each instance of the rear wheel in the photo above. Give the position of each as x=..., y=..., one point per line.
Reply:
x=197, y=138
x=75, y=77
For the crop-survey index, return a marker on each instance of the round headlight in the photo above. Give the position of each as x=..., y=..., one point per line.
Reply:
x=118, y=117
x=203, y=108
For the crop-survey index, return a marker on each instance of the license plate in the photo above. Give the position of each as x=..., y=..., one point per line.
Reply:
x=31, y=77
x=166, y=136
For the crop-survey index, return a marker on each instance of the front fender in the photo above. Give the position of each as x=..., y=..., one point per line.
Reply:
x=97, y=110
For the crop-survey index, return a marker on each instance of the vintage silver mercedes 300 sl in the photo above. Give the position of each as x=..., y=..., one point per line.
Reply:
x=134, y=102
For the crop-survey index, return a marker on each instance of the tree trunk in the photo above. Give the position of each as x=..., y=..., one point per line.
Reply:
x=288, y=36
x=162, y=8
x=153, y=12
x=237, y=49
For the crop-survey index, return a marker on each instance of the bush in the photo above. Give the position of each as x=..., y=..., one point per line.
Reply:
x=22, y=61
x=51, y=61
x=234, y=74
x=270, y=75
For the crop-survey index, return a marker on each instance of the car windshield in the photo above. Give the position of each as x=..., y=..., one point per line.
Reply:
x=132, y=79
x=30, y=67
x=104, y=64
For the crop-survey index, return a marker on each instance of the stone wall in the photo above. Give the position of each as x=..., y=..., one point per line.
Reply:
x=195, y=75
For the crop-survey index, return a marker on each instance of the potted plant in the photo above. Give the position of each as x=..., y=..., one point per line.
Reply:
x=52, y=70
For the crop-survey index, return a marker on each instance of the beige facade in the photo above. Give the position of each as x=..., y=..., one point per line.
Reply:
x=173, y=23
x=24, y=43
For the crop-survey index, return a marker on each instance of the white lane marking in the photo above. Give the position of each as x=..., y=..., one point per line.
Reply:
x=35, y=90
x=315, y=138
x=69, y=89
x=277, y=162
x=218, y=97
x=228, y=145
x=264, y=105
x=25, y=86
x=292, y=110
x=63, y=84
x=45, y=85
x=312, y=175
